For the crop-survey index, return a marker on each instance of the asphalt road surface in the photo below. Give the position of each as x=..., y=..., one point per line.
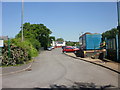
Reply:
x=53, y=67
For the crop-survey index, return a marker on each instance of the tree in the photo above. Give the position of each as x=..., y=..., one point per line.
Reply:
x=52, y=38
x=37, y=32
x=70, y=43
x=110, y=34
x=60, y=39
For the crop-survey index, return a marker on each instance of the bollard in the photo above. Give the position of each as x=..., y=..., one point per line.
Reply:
x=8, y=48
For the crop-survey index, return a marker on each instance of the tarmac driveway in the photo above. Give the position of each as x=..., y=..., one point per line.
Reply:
x=53, y=67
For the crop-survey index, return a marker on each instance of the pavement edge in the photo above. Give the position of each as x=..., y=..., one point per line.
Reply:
x=94, y=63
x=18, y=70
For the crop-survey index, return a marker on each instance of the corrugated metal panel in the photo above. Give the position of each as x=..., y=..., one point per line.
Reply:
x=89, y=41
x=84, y=41
x=93, y=41
x=111, y=43
x=80, y=41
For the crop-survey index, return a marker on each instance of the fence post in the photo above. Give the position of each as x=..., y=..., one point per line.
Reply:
x=117, y=48
x=8, y=48
x=106, y=46
x=1, y=45
x=0, y=56
x=0, y=51
x=118, y=52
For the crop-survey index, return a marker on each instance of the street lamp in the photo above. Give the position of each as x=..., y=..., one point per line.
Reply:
x=22, y=13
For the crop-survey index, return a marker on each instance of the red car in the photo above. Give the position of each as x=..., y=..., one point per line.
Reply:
x=69, y=49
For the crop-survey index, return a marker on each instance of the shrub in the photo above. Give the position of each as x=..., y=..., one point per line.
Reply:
x=36, y=44
x=26, y=45
x=15, y=55
x=19, y=52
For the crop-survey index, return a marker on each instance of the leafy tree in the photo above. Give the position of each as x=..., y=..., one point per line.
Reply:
x=60, y=39
x=52, y=38
x=110, y=34
x=37, y=32
x=70, y=43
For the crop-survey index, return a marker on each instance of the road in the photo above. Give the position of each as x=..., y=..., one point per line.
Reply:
x=53, y=67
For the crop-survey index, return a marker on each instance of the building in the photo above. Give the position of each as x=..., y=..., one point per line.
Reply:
x=90, y=41
x=4, y=37
x=53, y=43
x=60, y=43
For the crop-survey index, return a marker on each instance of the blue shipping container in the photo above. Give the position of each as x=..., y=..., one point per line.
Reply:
x=92, y=41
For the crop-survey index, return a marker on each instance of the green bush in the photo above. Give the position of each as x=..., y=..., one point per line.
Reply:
x=15, y=55
x=19, y=52
x=35, y=43
x=27, y=45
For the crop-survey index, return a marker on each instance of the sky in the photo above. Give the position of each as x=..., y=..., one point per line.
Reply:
x=0, y=19
x=66, y=20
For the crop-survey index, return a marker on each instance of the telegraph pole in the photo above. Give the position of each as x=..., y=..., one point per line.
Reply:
x=22, y=14
x=118, y=27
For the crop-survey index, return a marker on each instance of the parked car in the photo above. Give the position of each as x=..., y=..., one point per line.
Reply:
x=63, y=47
x=49, y=48
x=69, y=49
x=53, y=47
x=76, y=46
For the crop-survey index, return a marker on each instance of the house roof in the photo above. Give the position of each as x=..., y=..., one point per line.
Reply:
x=4, y=37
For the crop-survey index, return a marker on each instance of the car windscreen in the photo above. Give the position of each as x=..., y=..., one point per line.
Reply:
x=69, y=48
